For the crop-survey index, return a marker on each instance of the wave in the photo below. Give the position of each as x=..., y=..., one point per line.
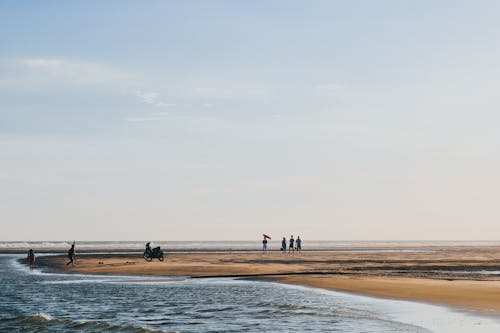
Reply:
x=44, y=320
x=179, y=246
x=40, y=317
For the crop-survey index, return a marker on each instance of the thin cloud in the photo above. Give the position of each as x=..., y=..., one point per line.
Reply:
x=159, y=114
x=330, y=87
x=143, y=119
x=148, y=97
x=152, y=98
x=163, y=104
x=44, y=63
x=63, y=74
x=65, y=71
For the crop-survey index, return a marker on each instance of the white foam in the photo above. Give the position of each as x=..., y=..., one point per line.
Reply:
x=45, y=316
x=407, y=246
x=437, y=319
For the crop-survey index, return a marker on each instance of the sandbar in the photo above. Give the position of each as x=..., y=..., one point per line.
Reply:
x=462, y=277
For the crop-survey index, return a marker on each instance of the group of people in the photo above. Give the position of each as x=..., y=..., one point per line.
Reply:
x=71, y=256
x=294, y=244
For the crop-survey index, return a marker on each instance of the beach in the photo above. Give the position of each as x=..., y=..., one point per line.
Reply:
x=463, y=277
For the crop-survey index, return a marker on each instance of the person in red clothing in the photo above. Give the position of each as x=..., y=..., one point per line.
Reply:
x=31, y=257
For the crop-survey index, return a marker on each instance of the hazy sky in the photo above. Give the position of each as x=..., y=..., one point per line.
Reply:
x=206, y=120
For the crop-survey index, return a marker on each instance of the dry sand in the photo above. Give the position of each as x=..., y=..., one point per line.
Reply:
x=441, y=276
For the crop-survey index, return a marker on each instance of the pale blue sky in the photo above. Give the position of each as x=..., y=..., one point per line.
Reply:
x=227, y=119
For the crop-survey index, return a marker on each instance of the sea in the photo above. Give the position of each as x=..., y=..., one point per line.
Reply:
x=32, y=300
x=235, y=246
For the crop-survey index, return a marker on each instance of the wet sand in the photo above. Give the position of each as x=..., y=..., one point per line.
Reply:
x=441, y=275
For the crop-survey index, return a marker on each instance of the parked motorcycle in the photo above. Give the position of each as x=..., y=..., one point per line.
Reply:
x=150, y=254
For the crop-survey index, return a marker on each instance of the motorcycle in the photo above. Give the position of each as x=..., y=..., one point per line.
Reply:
x=150, y=254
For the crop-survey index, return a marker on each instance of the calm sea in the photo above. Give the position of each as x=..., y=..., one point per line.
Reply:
x=204, y=246
x=32, y=301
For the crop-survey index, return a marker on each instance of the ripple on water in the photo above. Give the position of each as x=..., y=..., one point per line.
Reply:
x=65, y=303
x=43, y=322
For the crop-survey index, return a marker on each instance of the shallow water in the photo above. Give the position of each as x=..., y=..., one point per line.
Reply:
x=31, y=301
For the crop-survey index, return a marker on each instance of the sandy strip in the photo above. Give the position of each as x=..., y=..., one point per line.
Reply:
x=442, y=276
x=481, y=296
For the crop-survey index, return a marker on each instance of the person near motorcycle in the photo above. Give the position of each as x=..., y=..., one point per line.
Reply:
x=150, y=254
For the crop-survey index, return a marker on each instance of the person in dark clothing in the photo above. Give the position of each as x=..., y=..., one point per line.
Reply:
x=283, y=245
x=264, y=245
x=298, y=244
x=291, y=248
x=31, y=257
x=71, y=255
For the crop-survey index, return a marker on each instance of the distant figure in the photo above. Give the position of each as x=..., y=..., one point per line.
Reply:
x=298, y=244
x=31, y=257
x=150, y=254
x=291, y=248
x=283, y=245
x=264, y=245
x=71, y=255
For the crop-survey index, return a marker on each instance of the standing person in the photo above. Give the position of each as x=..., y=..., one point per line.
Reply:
x=264, y=245
x=283, y=245
x=291, y=248
x=31, y=257
x=298, y=244
x=71, y=255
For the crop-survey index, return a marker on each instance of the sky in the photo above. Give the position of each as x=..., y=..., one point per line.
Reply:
x=223, y=120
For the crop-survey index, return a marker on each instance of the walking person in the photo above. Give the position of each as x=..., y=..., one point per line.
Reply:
x=283, y=245
x=298, y=244
x=71, y=255
x=31, y=258
x=291, y=248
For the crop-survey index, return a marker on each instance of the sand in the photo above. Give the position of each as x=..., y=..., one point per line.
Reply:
x=481, y=296
x=443, y=275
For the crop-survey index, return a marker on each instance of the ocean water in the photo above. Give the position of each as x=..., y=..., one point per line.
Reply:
x=32, y=301
x=204, y=246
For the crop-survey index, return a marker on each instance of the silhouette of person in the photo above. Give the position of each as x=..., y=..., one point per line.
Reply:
x=71, y=255
x=298, y=244
x=31, y=257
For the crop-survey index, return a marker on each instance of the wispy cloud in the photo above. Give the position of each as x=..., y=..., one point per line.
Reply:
x=163, y=104
x=229, y=92
x=143, y=119
x=148, y=97
x=66, y=71
x=152, y=98
x=60, y=75
x=52, y=64
x=229, y=87
x=41, y=72
x=330, y=87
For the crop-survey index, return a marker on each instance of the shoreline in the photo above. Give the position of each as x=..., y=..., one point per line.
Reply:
x=454, y=277
x=479, y=297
